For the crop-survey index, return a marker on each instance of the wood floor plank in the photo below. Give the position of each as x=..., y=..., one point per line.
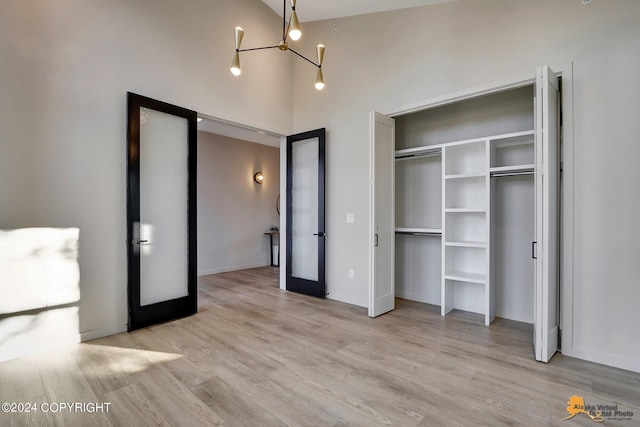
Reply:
x=20, y=380
x=282, y=400
x=64, y=382
x=131, y=407
x=175, y=402
x=235, y=406
x=105, y=368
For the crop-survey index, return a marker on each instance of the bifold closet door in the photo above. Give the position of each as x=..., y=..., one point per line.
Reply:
x=382, y=286
x=546, y=247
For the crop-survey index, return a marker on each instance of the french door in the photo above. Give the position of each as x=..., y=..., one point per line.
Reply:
x=305, y=213
x=161, y=211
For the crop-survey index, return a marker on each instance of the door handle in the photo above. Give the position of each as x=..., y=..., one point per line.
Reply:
x=320, y=234
x=534, y=246
x=138, y=241
x=375, y=240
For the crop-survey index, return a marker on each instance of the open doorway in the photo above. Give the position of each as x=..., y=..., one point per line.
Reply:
x=238, y=198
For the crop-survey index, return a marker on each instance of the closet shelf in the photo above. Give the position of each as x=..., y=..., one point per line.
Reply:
x=517, y=169
x=436, y=149
x=514, y=138
x=466, y=244
x=464, y=210
x=463, y=276
x=465, y=175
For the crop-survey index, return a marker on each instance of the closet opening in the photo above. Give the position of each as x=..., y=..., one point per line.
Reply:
x=475, y=225
x=466, y=206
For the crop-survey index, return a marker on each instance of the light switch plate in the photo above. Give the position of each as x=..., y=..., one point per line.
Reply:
x=351, y=218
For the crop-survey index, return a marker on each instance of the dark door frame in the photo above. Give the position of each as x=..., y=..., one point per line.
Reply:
x=308, y=287
x=143, y=316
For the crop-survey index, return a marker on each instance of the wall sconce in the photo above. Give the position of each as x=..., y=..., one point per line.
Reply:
x=258, y=177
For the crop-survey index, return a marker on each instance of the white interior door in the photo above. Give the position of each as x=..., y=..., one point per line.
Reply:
x=382, y=286
x=546, y=316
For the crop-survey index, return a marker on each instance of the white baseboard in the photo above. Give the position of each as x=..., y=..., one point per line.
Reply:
x=349, y=299
x=102, y=332
x=616, y=361
x=518, y=317
x=233, y=268
x=413, y=296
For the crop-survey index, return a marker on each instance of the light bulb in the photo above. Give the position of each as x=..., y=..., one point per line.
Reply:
x=295, y=34
x=319, y=80
x=235, y=65
x=294, y=28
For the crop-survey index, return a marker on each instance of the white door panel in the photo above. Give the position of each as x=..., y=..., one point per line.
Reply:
x=546, y=318
x=382, y=286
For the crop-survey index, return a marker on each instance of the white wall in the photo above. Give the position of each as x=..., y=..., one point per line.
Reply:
x=233, y=210
x=65, y=73
x=16, y=132
x=391, y=60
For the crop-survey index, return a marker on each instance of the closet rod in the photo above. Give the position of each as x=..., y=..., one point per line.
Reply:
x=498, y=175
x=417, y=233
x=427, y=154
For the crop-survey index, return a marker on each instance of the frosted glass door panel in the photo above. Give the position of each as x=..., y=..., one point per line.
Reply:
x=163, y=227
x=304, y=209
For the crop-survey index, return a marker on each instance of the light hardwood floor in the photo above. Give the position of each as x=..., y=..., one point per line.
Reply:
x=258, y=356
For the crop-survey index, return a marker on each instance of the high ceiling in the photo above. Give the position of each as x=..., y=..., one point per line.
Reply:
x=316, y=10
x=308, y=11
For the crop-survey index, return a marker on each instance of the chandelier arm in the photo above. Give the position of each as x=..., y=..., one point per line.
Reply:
x=258, y=48
x=305, y=58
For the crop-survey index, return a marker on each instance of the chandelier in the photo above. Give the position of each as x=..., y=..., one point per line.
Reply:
x=289, y=30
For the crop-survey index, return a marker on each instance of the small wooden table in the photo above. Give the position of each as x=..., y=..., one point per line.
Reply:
x=271, y=234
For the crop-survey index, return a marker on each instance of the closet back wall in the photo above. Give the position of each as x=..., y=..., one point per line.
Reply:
x=233, y=210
